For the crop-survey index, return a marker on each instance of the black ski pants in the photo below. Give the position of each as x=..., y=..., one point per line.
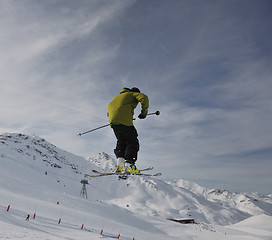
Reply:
x=127, y=142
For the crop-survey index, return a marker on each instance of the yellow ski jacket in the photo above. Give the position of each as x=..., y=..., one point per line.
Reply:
x=121, y=108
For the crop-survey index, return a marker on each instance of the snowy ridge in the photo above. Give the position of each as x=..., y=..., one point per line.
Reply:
x=250, y=203
x=35, y=175
x=19, y=146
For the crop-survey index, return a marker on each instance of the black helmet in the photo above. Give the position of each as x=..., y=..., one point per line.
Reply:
x=134, y=89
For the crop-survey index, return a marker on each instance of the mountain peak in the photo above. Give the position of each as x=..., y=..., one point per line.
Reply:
x=104, y=161
x=27, y=148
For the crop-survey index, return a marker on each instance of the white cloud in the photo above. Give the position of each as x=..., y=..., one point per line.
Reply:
x=201, y=66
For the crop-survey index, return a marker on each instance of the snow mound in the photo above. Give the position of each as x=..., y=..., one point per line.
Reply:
x=259, y=225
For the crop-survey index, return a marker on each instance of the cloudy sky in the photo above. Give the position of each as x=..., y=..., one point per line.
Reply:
x=206, y=65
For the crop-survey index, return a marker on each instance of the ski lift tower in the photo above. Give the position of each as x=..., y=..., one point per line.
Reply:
x=84, y=190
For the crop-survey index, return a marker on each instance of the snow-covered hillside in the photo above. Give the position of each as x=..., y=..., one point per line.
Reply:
x=39, y=178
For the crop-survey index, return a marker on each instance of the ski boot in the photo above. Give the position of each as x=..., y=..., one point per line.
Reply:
x=120, y=165
x=131, y=168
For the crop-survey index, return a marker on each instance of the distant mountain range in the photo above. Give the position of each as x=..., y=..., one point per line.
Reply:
x=27, y=159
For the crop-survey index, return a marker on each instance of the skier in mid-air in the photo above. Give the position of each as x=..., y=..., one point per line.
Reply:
x=120, y=113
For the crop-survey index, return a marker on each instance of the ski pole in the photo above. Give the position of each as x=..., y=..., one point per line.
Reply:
x=156, y=113
x=80, y=134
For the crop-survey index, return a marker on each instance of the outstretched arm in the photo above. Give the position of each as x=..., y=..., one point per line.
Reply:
x=143, y=99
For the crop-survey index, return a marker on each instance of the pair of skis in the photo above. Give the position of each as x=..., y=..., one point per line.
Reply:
x=123, y=175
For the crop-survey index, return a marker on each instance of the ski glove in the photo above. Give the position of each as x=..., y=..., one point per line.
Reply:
x=142, y=116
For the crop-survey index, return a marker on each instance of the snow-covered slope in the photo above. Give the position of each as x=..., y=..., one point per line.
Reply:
x=36, y=175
